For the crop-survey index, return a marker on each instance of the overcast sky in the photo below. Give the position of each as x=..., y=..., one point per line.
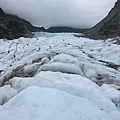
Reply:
x=72, y=13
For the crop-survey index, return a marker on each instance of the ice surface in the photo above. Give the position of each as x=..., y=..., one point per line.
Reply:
x=43, y=103
x=50, y=77
x=113, y=93
x=72, y=84
x=6, y=93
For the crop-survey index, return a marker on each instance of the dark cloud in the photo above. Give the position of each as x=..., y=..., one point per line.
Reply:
x=73, y=13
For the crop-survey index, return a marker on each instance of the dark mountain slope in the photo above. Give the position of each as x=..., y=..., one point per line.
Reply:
x=28, y=24
x=60, y=29
x=12, y=28
x=109, y=27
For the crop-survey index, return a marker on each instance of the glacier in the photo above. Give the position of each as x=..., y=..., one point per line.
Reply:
x=57, y=76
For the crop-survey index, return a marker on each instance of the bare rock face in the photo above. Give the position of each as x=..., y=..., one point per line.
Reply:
x=2, y=14
x=109, y=27
x=12, y=28
x=30, y=27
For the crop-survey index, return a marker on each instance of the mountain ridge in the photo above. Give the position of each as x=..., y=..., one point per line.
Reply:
x=13, y=27
x=58, y=29
x=109, y=27
x=27, y=23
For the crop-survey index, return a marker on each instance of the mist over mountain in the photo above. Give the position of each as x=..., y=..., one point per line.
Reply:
x=12, y=27
x=48, y=13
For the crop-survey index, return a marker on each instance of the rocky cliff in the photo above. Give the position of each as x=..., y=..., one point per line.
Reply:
x=12, y=27
x=109, y=27
x=30, y=27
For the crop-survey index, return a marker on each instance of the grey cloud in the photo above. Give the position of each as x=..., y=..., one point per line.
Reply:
x=73, y=13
